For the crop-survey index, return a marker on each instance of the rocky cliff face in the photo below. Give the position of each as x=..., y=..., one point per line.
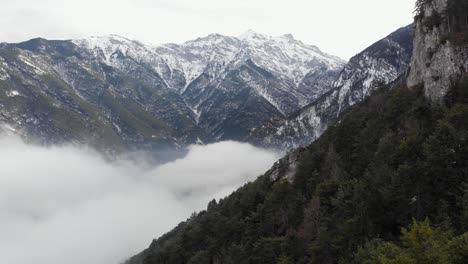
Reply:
x=440, y=52
x=286, y=167
x=382, y=62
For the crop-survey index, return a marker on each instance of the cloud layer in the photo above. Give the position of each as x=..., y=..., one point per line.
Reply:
x=68, y=205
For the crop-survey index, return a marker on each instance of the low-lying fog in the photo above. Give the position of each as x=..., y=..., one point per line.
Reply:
x=68, y=205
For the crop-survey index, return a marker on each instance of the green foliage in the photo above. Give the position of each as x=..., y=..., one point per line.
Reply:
x=459, y=249
x=284, y=260
x=201, y=257
x=463, y=201
x=420, y=244
x=390, y=160
x=423, y=244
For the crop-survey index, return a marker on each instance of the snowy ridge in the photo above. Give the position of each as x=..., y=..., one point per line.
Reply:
x=211, y=88
x=272, y=73
x=382, y=62
x=219, y=86
x=180, y=64
x=287, y=55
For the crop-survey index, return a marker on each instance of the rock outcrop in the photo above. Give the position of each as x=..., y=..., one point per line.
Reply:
x=439, y=48
x=286, y=167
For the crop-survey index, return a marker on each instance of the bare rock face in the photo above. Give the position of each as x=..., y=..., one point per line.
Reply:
x=437, y=61
x=286, y=167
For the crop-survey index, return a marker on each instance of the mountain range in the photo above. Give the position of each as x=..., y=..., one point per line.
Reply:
x=119, y=94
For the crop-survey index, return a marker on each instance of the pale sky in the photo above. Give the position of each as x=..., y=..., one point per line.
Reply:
x=339, y=27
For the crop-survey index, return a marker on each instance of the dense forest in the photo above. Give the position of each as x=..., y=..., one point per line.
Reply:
x=387, y=184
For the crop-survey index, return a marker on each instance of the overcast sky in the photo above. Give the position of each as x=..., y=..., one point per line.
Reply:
x=339, y=27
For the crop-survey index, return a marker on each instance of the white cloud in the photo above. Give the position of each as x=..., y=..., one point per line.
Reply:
x=339, y=27
x=68, y=205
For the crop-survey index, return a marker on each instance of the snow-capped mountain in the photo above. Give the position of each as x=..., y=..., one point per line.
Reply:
x=382, y=62
x=224, y=79
x=134, y=95
x=57, y=92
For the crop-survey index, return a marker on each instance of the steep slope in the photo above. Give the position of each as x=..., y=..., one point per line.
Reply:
x=381, y=63
x=273, y=72
x=392, y=159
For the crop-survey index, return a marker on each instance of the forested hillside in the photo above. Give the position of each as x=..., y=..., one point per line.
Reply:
x=391, y=161
x=386, y=184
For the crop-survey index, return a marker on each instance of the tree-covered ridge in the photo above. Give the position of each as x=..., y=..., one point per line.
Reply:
x=390, y=160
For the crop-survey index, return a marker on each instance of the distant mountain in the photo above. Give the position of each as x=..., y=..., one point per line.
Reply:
x=55, y=92
x=381, y=63
x=123, y=94
x=231, y=84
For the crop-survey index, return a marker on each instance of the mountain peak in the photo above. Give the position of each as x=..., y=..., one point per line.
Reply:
x=112, y=38
x=289, y=36
x=248, y=34
x=108, y=45
x=108, y=41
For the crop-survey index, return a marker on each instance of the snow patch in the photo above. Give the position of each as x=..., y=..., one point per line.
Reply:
x=8, y=127
x=28, y=62
x=199, y=141
x=12, y=93
x=3, y=75
x=117, y=127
